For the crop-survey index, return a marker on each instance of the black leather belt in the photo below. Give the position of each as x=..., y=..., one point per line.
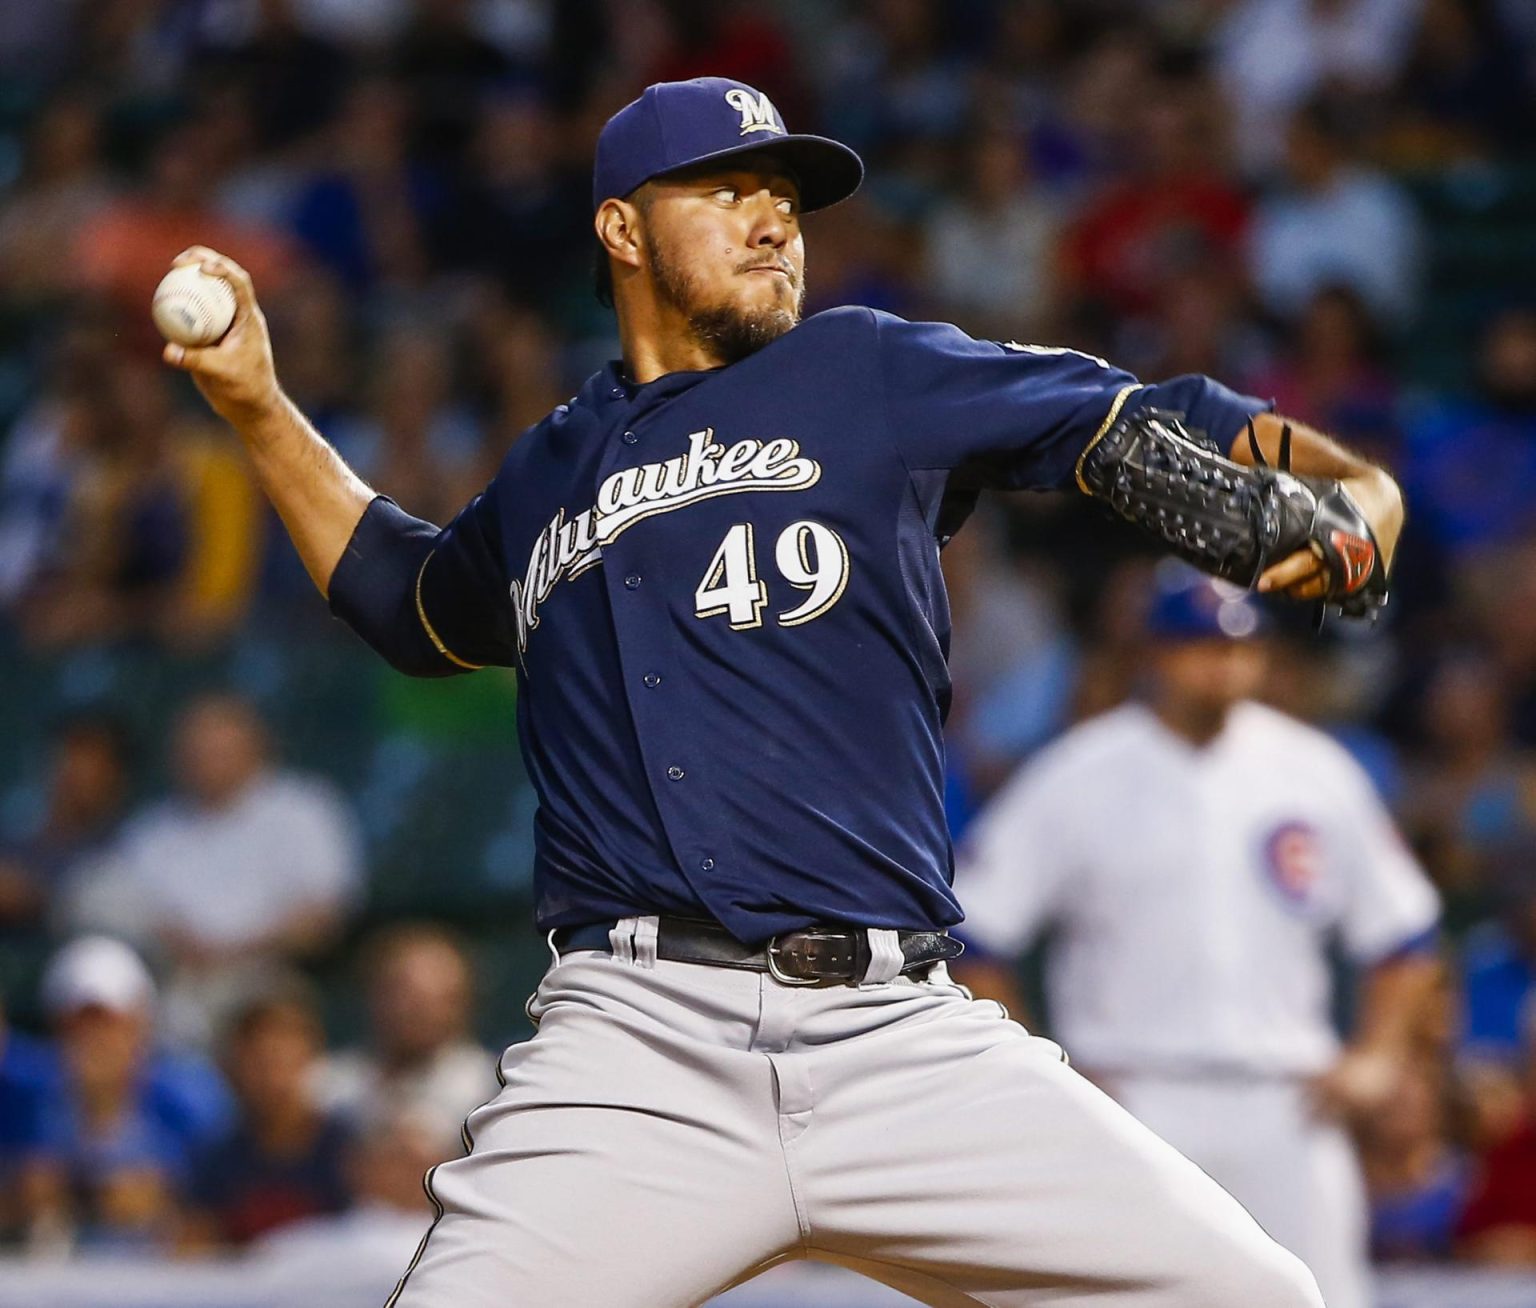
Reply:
x=812, y=956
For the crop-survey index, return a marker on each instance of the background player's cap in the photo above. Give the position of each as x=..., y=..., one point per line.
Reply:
x=1188, y=605
x=674, y=125
x=96, y=972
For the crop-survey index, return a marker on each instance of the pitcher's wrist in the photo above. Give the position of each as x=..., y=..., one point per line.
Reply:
x=261, y=417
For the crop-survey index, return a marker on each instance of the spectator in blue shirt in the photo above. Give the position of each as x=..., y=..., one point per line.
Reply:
x=115, y=1131
x=1498, y=962
x=1454, y=441
x=1418, y=1180
x=24, y=1070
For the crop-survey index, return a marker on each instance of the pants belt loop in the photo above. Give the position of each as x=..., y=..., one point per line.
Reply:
x=554, y=954
x=885, y=957
x=621, y=940
x=646, y=931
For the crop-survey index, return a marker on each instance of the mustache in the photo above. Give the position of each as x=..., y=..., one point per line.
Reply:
x=783, y=265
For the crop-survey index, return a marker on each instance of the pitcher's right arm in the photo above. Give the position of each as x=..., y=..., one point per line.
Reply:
x=318, y=497
x=368, y=557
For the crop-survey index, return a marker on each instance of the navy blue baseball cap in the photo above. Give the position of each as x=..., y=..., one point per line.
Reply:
x=1188, y=605
x=675, y=125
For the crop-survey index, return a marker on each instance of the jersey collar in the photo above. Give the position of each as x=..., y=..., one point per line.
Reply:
x=610, y=388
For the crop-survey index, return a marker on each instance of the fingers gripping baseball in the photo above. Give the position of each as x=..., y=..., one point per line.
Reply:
x=236, y=375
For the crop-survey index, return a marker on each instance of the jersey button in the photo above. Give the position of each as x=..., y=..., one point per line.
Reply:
x=630, y=438
x=652, y=679
x=632, y=581
x=675, y=773
x=706, y=865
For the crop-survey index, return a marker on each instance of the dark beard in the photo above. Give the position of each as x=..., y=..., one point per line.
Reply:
x=730, y=333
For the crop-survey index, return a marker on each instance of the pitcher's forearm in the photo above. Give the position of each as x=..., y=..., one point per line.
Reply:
x=318, y=497
x=1316, y=455
x=1312, y=452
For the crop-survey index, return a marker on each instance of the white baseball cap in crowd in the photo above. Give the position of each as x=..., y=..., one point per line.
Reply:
x=99, y=972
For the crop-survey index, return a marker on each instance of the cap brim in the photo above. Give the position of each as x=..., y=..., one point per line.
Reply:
x=826, y=170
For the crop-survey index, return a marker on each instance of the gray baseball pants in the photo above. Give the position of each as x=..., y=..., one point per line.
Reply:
x=674, y=1129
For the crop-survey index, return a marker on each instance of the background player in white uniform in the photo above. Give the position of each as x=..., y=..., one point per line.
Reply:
x=1194, y=855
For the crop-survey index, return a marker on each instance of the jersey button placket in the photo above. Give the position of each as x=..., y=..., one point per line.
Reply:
x=650, y=653
x=630, y=438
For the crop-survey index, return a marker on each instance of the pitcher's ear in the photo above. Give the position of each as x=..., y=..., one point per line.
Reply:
x=617, y=224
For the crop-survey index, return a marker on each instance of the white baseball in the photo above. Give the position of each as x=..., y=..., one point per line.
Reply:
x=192, y=307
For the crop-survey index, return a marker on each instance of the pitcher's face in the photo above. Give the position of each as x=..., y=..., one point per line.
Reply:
x=723, y=246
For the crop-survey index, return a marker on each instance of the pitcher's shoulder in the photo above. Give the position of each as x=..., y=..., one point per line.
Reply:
x=846, y=324
x=555, y=443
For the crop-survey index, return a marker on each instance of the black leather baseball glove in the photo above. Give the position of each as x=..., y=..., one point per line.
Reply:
x=1230, y=520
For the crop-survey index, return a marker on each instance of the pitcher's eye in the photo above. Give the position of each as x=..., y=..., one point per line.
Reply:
x=726, y=194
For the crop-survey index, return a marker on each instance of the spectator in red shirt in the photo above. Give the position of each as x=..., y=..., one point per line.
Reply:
x=705, y=38
x=1498, y=1225
x=1174, y=210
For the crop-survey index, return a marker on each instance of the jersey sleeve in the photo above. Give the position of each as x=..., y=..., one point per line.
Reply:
x=461, y=597
x=1012, y=869
x=1012, y=417
x=1388, y=901
x=433, y=601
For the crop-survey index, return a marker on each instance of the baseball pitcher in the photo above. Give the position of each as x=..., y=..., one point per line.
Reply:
x=716, y=570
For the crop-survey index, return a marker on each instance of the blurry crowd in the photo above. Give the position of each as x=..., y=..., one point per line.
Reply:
x=1255, y=189
x=118, y=1141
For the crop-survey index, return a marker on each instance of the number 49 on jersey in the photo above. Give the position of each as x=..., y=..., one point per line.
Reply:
x=810, y=556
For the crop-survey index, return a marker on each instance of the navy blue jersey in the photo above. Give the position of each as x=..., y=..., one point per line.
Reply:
x=722, y=592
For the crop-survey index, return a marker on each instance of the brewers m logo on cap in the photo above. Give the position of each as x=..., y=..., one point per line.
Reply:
x=678, y=125
x=757, y=111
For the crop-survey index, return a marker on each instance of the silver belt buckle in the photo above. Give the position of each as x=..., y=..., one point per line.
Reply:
x=778, y=974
